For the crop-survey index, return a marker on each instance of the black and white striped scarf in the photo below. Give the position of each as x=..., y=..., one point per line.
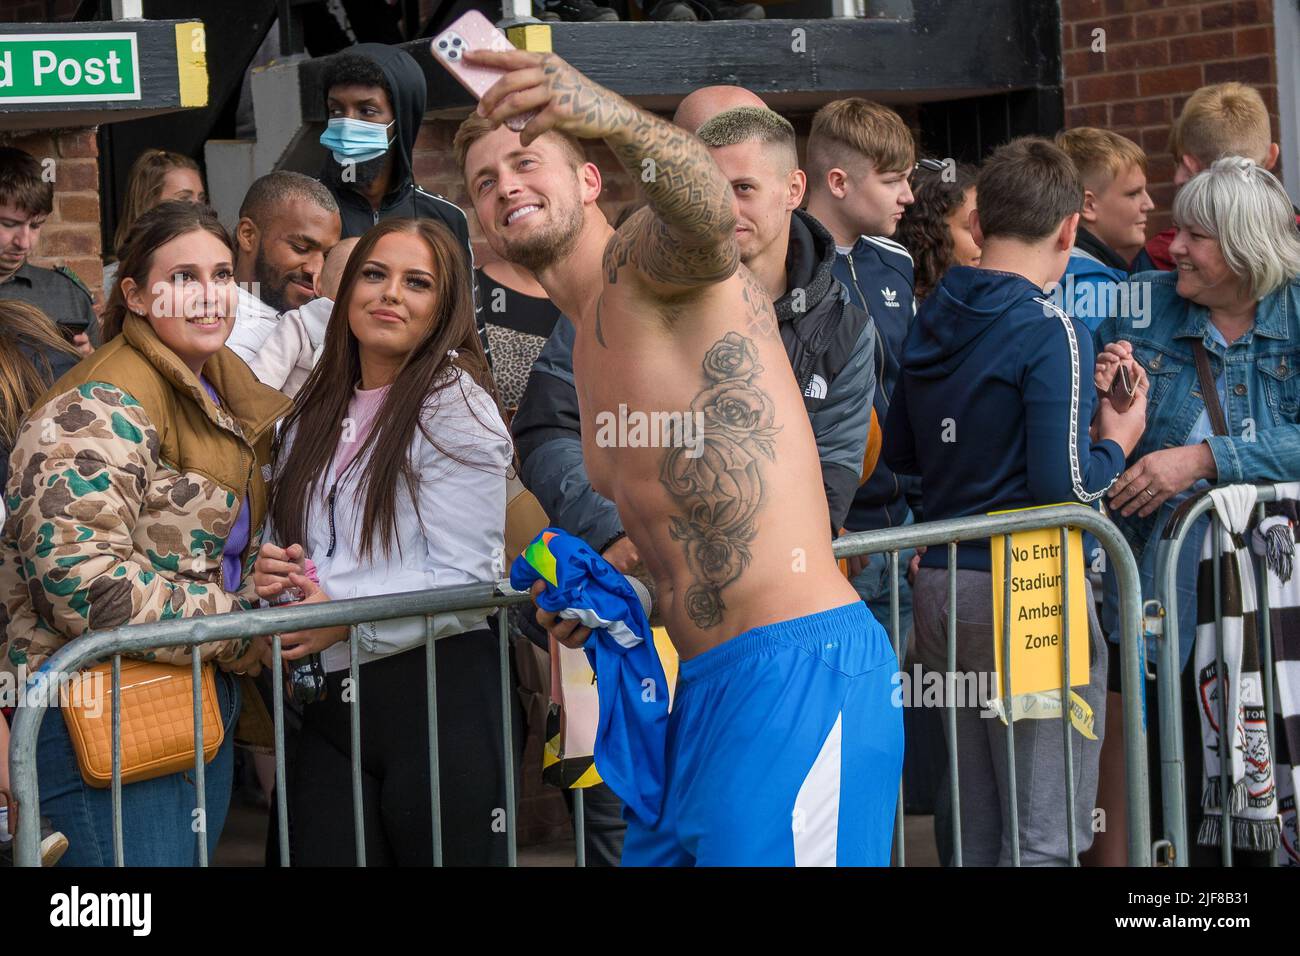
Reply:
x=1275, y=542
x=1252, y=792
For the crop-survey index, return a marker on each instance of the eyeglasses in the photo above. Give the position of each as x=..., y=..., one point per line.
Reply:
x=934, y=165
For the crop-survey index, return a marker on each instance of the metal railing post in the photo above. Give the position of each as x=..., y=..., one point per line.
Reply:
x=281, y=783
x=1168, y=674
x=354, y=721
x=507, y=735
x=901, y=855
x=1072, y=842
x=435, y=771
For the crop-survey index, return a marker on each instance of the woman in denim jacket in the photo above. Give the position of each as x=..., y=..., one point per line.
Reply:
x=1236, y=289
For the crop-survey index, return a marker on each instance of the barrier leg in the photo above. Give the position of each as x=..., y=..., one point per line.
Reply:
x=954, y=790
x=358, y=820
x=281, y=785
x=431, y=699
x=507, y=734
x=200, y=783
x=1071, y=840
x=1169, y=700
x=900, y=858
x=119, y=853
x=1013, y=810
x=579, y=827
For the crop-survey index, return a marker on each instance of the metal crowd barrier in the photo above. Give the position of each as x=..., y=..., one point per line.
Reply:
x=1065, y=518
x=1169, y=693
x=485, y=596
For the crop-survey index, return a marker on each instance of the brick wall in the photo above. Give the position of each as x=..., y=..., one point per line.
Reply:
x=71, y=235
x=1157, y=53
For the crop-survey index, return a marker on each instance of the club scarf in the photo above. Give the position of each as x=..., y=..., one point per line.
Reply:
x=1274, y=541
x=1252, y=794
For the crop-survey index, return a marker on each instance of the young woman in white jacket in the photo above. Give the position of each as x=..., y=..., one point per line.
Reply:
x=390, y=476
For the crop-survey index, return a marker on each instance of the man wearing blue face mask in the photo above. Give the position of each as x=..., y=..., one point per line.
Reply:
x=375, y=98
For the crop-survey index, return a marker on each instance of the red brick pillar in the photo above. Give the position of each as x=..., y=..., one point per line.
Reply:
x=71, y=235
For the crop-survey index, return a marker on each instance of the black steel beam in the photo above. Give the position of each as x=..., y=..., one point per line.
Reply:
x=949, y=49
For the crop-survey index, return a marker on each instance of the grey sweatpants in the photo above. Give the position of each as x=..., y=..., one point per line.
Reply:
x=981, y=740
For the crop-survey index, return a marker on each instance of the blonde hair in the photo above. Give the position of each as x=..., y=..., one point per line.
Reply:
x=1242, y=204
x=1228, y=119
x=1100, y=155
x=845, y=132
x=743, y=124
x=145, y=185
x=24, y=379
x=475, y=127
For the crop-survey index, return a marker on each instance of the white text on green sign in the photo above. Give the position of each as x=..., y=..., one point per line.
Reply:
x=68, y=67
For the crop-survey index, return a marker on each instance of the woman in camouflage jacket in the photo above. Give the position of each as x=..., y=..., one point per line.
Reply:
x=136, y=494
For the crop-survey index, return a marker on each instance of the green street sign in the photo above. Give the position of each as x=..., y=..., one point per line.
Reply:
x=68, y=67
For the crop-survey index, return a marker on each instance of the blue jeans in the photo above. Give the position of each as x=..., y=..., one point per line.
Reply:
x=157, y=815
x=872, y=585
x=1188, y=565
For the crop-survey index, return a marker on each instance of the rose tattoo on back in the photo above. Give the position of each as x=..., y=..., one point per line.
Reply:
x=719, y=486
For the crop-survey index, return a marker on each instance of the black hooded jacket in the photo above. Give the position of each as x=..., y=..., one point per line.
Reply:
x=406, y=84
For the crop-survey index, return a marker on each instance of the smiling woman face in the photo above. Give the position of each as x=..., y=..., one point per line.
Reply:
x=1204, y=276
x=393, y=301
x=189, y=296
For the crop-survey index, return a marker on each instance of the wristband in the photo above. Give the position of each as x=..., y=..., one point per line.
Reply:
x=611, y=542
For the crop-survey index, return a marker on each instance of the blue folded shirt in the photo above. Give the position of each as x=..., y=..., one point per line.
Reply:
x=632, y=734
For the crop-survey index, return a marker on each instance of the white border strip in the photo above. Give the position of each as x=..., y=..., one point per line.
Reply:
x=79, y=97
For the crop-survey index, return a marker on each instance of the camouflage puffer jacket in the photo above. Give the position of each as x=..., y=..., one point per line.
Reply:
x=125, y=481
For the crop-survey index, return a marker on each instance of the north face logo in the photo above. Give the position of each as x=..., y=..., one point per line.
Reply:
x=891, y=298
x=816, y=387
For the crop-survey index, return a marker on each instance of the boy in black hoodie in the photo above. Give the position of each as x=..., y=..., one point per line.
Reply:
x=992, y=409
x=375, y=98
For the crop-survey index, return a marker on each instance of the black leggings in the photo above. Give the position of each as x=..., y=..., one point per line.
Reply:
x=395, y=763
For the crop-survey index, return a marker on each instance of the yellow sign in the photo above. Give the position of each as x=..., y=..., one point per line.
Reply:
x=1037, y=621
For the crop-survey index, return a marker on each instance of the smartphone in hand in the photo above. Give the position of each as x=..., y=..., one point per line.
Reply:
x=473, y=31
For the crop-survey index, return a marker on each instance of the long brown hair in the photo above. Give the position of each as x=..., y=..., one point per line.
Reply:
x=923, y=230
x=157, y=227
x=319, y=410
x=144, y=185
x=25, y=373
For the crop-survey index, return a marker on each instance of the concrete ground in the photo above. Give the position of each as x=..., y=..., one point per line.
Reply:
x=243, y=842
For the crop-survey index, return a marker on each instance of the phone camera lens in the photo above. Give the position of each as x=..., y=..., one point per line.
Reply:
x=442, y=44
x=455, y=41
x=454, y=54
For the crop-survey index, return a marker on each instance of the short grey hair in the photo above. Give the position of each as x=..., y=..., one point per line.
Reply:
x=743, y=124
x=281, y=186
x=1244, y=206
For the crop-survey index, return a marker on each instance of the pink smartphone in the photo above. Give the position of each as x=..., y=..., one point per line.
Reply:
x=473, y=31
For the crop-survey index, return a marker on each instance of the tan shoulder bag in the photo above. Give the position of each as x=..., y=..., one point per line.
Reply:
x=157, y=707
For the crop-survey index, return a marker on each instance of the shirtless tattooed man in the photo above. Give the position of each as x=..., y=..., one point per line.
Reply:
x=783, y=745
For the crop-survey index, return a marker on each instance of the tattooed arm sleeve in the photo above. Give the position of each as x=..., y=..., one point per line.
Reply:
x=83, y=469
x=685, y=237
